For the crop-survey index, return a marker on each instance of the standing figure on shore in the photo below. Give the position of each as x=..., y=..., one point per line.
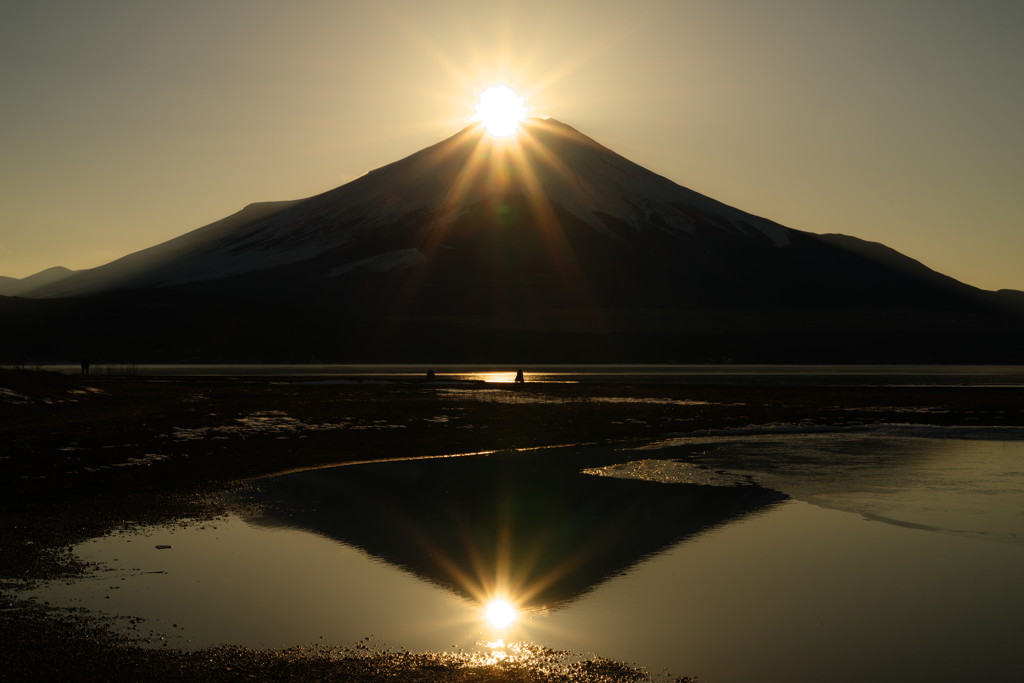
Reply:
x=519, y=376
x=85, y=366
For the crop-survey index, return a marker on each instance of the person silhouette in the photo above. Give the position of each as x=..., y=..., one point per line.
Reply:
x=85, y=366
x=519, y=376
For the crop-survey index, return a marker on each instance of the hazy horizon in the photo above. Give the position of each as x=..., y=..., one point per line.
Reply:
x=128, y=124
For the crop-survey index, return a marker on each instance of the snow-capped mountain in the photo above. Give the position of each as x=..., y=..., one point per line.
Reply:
x=554, y=169
x=479, y=244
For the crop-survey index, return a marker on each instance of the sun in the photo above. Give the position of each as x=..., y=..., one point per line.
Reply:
x=499, y=613
x=500, y=110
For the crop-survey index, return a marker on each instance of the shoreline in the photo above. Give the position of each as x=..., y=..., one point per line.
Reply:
x=84, y=456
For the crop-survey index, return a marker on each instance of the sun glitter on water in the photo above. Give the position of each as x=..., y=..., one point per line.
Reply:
x=500, y=110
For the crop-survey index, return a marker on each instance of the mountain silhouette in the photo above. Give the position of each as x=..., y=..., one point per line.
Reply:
x=547, y=246
x=11, y=286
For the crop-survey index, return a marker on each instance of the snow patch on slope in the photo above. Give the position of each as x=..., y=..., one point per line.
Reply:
x=613, y=185
x=383, y=263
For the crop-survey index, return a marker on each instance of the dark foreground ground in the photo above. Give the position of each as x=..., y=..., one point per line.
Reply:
x=81, y=457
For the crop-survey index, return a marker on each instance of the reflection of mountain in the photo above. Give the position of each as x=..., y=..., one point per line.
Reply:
x=528, y=521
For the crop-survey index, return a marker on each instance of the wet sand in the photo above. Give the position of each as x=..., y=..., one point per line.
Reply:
x=81, y=457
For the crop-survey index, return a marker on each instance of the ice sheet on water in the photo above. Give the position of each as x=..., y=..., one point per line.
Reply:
x=145, y=460
x=962, y=480
x=274, y=422
x=11, y=396
x=669, y=472
x=979, y=432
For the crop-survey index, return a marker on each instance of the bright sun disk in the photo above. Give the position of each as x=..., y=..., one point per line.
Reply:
x=499, y=613
x=500, y=110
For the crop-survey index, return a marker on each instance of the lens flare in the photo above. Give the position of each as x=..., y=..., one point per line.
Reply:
x=499, y=613
x=500, y=110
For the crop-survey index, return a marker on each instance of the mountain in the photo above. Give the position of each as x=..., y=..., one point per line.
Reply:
x=547, y=246
x=405, y=214
x=10, y=286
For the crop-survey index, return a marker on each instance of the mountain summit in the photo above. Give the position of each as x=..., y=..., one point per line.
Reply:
x=545, y=246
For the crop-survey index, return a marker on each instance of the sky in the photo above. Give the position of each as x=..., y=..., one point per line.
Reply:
x=125, y=123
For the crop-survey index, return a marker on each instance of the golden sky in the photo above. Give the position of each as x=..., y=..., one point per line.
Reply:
x=128, y=122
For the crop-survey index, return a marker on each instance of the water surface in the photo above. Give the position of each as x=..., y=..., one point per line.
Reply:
x=877, y=555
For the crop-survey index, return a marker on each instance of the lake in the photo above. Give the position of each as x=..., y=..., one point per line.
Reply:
x=881, y=552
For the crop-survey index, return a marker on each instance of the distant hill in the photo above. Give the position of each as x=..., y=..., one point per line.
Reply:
x=10, y=286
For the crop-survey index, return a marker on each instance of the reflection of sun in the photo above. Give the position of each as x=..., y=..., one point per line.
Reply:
x=500, y=110
x=492, y=376
x=500, y=613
